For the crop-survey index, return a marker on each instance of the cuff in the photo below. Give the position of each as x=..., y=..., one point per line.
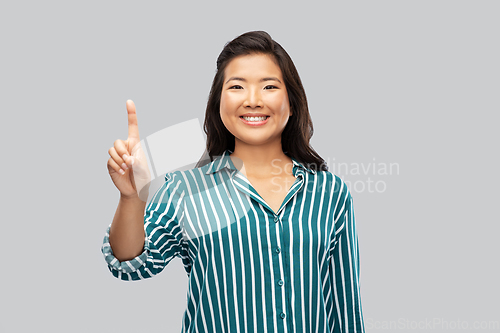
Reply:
x=128, y=266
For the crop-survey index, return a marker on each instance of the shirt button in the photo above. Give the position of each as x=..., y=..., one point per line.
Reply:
x=278, y=250
x=280, y=282
x=276, y=219
x=282, y=315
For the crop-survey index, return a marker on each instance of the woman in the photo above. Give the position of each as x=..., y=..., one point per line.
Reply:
x=265, y=232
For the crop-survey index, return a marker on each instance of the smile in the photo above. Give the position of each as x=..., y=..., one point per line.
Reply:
x=254, y=121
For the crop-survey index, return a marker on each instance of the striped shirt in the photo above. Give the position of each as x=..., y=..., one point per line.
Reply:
x=251, y=269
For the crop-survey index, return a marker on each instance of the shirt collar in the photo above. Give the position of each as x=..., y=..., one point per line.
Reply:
x=224, y=161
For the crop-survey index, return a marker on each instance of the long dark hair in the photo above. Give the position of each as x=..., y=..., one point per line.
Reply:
x=299, y=128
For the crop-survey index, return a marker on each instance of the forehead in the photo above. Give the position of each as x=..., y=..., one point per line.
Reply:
x=253, y=66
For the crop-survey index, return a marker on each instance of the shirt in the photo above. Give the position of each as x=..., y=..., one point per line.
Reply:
x=251, y=269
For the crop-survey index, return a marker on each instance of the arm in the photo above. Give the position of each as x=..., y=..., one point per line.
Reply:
x=126, y=234
x=345, y=265
x=163, y=234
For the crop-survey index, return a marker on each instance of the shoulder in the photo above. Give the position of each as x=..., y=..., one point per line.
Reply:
x=172, y=185
x=331, y=181
x=190, y=179
x=337, y=190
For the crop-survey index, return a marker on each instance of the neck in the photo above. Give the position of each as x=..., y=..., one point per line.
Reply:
x=261, y=161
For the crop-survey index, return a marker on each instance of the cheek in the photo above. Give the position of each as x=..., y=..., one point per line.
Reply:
x=225, y=104
x=282, y=104
x=225, y=111
x=222, y=110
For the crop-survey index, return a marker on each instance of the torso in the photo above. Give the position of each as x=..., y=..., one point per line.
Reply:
x=273, y=190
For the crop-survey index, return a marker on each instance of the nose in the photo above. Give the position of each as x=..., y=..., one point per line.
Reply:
x=253, y=99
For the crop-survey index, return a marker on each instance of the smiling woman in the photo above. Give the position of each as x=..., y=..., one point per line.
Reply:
x=254, y=103
x=266, y=233
x=252, y=57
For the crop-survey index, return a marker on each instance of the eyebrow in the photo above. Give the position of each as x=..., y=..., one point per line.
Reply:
x=261, y=80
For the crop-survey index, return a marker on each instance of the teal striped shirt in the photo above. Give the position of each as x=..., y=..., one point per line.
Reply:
x=250, y=269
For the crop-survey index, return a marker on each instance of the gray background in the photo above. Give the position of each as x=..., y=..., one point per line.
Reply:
x=409, y=82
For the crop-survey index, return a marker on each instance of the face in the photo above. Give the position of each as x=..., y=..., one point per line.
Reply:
x=254, y=86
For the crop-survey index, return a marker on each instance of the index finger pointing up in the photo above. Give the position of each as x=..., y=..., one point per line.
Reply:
x=133, y=128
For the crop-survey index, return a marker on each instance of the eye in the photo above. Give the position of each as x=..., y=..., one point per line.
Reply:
x=270, y=87
x=236, y=87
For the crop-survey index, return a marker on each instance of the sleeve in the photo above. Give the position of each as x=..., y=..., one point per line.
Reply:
x=345, y=267
x=163, y=235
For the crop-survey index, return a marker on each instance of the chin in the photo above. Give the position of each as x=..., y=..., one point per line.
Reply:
x=253, y=141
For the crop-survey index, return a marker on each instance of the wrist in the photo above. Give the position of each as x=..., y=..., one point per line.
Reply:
x=129, y=198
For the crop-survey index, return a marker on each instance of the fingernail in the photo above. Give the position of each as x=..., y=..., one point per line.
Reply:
x=125, y=156
x=124, y=166
x=121, y=171
x=132, y=159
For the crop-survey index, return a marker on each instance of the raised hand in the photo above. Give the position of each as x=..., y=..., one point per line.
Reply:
x=127, y=165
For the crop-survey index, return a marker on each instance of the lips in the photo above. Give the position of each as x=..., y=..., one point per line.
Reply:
x=250, y=114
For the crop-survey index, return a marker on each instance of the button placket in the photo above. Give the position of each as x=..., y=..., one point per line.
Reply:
x=284, y=229
x=280, y=282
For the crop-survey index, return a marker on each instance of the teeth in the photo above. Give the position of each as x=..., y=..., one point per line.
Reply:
x=255, y=118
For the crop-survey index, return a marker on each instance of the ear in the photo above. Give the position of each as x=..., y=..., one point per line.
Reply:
x=291, y=113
